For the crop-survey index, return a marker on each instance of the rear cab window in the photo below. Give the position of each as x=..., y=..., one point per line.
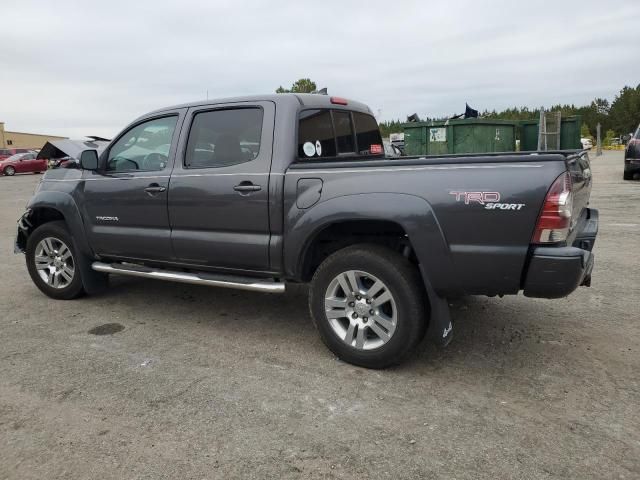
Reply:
x=337, y=133
x=345, y=139
x=368, y=133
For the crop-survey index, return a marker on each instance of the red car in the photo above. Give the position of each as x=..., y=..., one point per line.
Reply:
x=7, y=152
x=22, y=163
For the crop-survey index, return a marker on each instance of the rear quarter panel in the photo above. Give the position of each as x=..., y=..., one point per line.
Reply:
x=464, y=246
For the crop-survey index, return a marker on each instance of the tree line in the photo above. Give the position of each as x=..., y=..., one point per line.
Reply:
x=619, y=117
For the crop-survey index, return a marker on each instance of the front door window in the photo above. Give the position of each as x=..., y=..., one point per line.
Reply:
x=145, y=147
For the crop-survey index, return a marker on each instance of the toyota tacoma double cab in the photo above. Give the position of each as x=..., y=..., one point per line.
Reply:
x=256, y=192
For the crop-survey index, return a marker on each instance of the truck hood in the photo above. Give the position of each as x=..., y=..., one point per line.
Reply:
x=70, y=148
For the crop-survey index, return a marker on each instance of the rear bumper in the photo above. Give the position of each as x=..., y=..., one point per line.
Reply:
x=555, y=272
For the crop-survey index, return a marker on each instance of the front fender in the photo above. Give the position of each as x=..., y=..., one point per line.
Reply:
x=414, y=214
x=65, y=204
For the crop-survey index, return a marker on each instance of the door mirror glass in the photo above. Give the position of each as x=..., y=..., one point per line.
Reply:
x=89, y=160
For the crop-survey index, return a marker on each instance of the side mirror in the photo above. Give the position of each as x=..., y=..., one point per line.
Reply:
x=89, y=160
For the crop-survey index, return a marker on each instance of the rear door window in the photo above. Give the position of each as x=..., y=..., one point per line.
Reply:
x=315, y=134
x=221, y=138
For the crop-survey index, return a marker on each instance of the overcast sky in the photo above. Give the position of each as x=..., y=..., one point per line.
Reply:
x=83, y=68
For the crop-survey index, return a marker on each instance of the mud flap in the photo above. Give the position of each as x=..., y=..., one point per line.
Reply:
x=92, y=281
x=440, y=324
x=440, y=329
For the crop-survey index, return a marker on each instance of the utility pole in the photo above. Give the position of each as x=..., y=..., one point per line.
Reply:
x=598, y=140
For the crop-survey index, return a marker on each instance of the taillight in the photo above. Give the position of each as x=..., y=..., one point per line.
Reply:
x=338, y=100
x=555, y=219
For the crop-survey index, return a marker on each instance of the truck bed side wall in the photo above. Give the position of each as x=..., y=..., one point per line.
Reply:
x=464, y=246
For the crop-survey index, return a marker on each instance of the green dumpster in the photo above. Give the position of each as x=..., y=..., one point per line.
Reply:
x=472, y=135
x=569, y=134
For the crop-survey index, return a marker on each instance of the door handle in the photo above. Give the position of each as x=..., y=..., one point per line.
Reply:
x=247, y=187
x=154, y=189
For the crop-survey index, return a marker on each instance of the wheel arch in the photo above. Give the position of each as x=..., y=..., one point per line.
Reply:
x=333, y=236
x=51, y=206
x=399, y=216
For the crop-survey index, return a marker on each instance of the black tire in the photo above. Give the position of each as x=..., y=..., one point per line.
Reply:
x=9, y=171
x=627, y=176
x=57, y=230
x=403, y=282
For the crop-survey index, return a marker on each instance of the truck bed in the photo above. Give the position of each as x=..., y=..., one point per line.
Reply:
x=467, y=247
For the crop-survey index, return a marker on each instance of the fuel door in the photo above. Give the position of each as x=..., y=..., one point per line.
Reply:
x=308, y=192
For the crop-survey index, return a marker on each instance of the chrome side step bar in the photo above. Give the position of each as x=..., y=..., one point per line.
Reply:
x=213, y=280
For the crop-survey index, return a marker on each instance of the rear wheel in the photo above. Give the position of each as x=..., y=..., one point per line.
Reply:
x=627, y=176
x=9, y=171
x=52, y=261
x=367, y=302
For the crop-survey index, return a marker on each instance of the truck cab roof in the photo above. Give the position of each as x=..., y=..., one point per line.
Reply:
x=295, y=100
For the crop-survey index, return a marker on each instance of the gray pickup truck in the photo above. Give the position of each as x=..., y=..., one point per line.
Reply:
x=256, y=192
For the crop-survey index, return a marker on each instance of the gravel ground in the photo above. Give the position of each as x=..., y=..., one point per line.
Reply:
x=213, y=383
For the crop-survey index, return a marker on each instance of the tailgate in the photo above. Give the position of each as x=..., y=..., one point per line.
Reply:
x=580, y=170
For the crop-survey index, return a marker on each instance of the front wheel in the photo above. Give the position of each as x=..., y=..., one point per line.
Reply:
x=9, y=171
x=52, y=261
x=368, y=305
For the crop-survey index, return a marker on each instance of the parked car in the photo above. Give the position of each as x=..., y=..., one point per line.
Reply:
x=632, y=157
x=382, y=241
x=587, y=144
x=22, y=163
x=7, y=152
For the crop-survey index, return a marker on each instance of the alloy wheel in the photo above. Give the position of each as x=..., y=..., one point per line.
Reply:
x=360, y=310
x=54, y=262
